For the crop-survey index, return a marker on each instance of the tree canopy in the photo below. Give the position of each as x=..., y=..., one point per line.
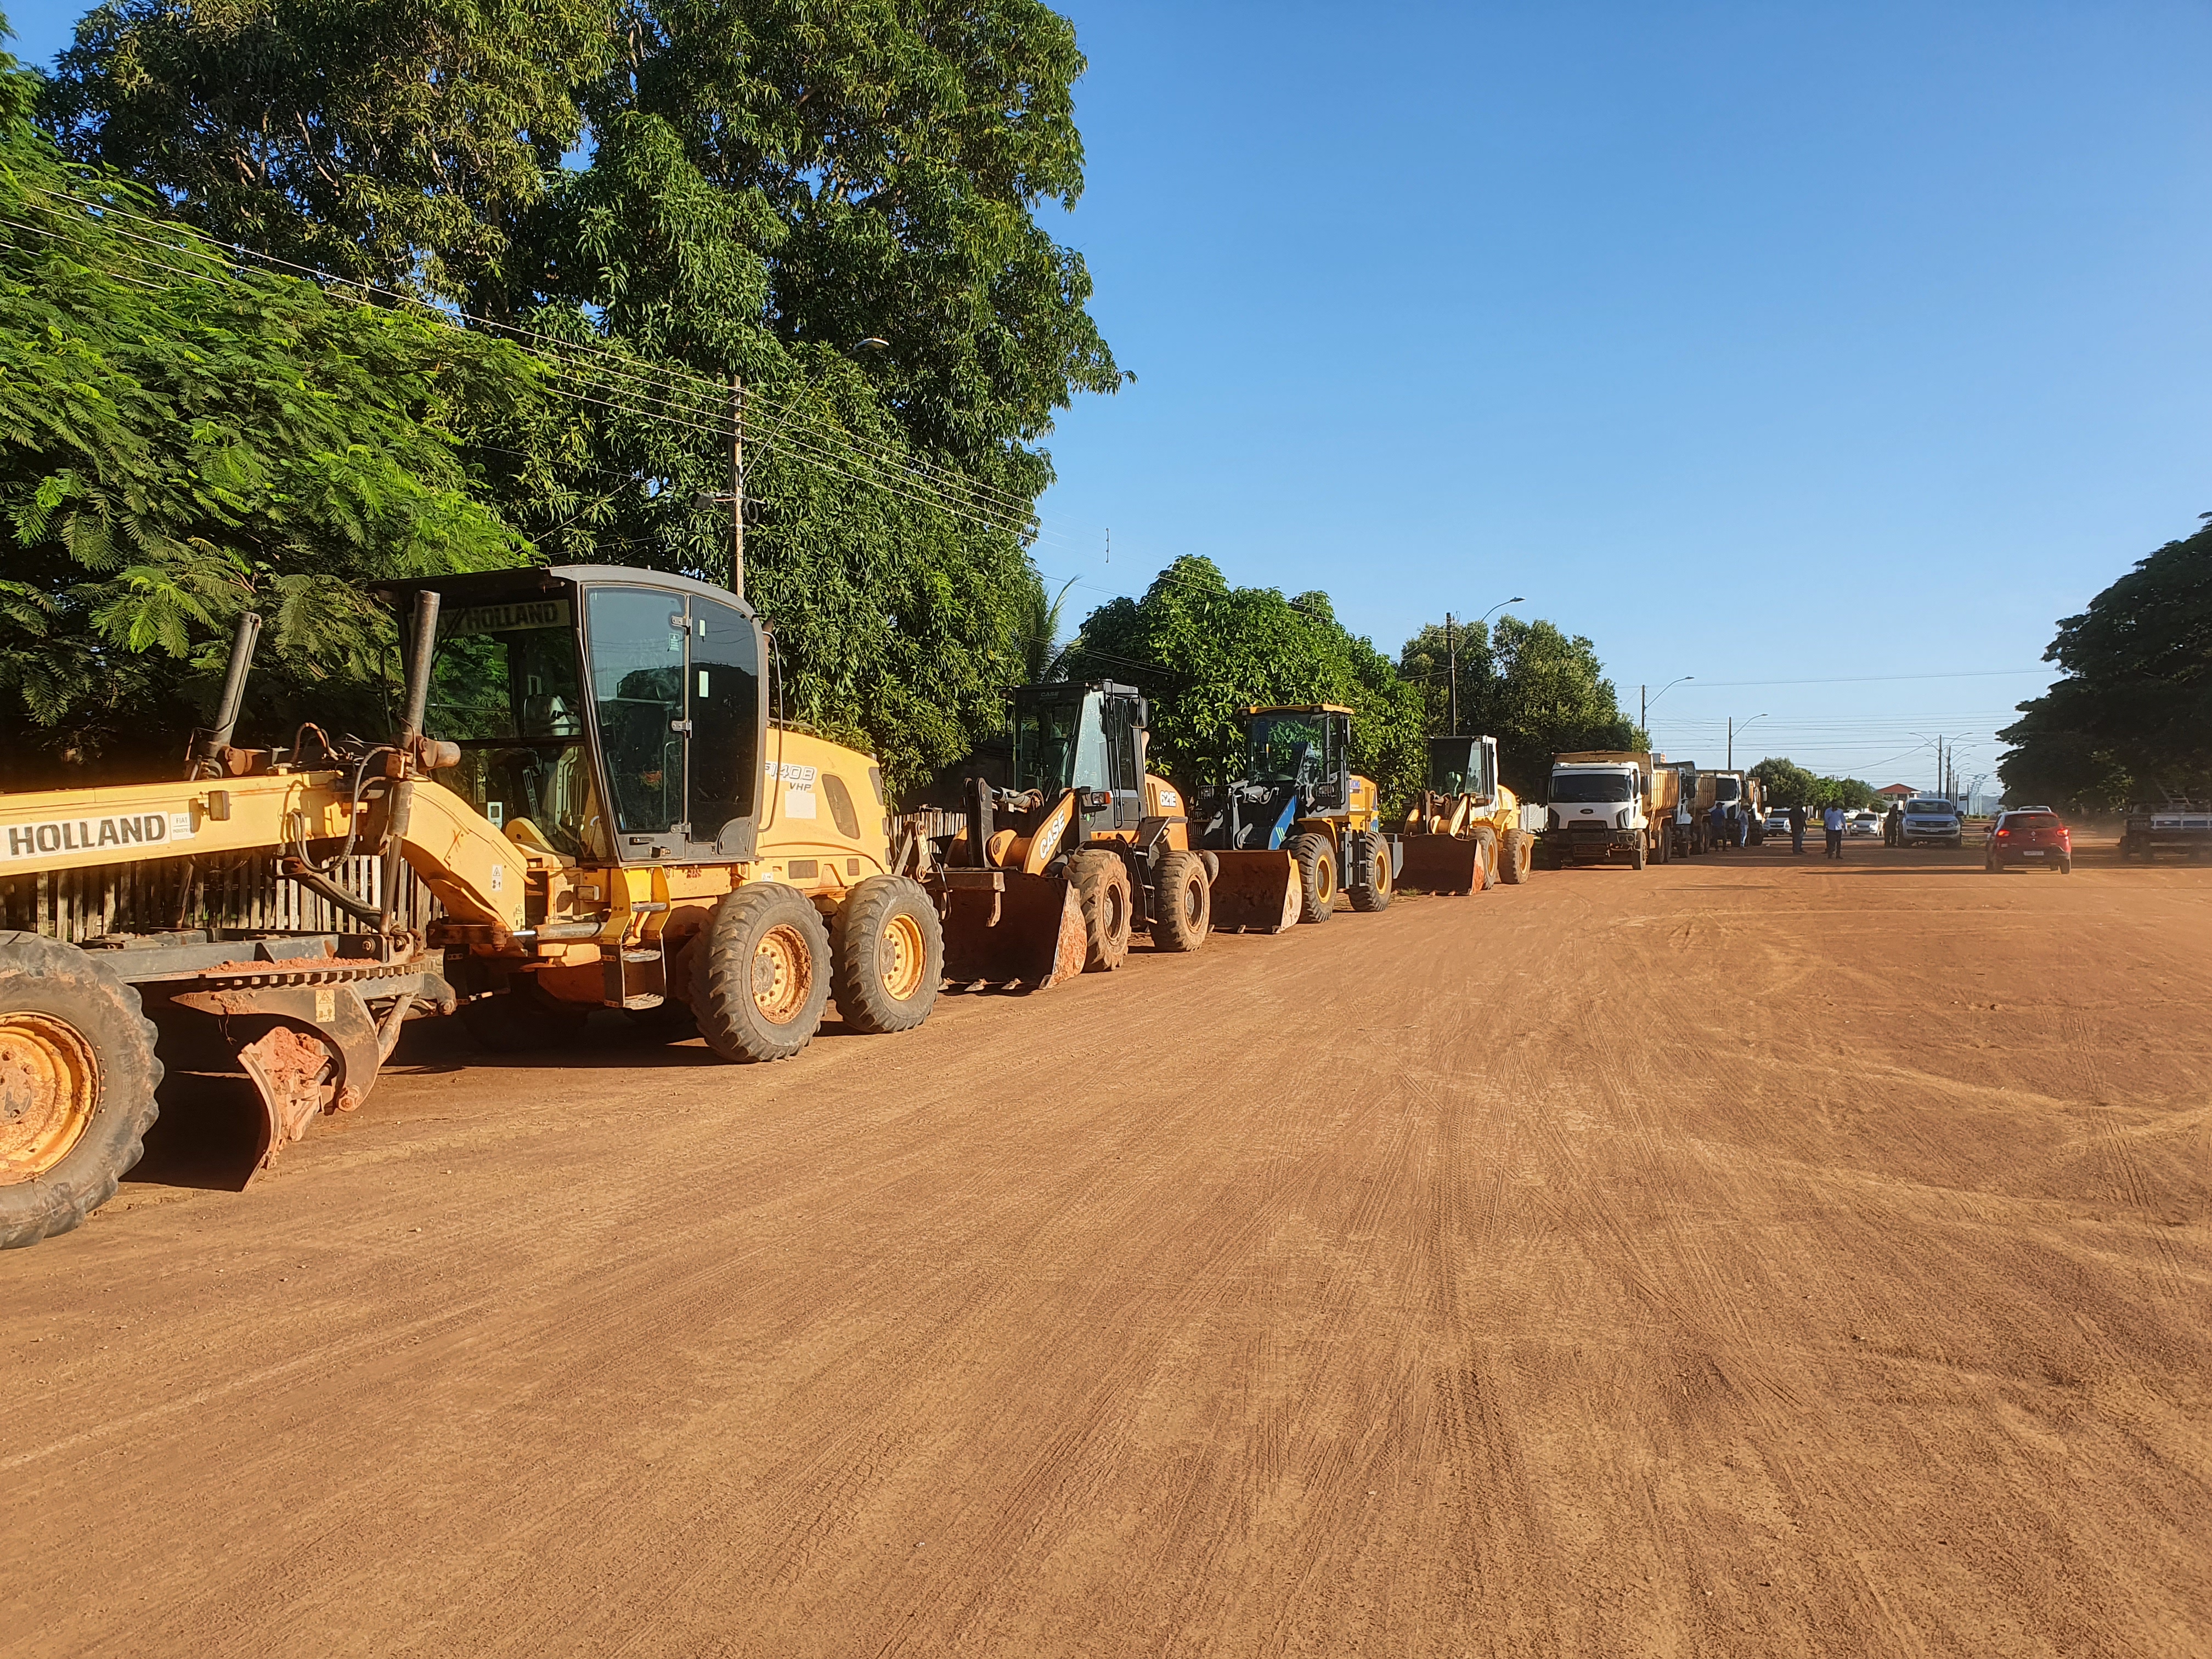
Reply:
x=1535, y=688
x=2131, y=717
x=1206, y=650
x=1789, y=784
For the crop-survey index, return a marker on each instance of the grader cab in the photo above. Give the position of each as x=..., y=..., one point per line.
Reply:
x=585, y=780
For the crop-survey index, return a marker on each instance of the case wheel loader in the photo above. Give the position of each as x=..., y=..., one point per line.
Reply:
x=1462, y=834
x=606, y=818
x=1297, y=826
x=1050, y=873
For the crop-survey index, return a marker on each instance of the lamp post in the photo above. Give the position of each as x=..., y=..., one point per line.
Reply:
x=1643, y=703
x=1733, y=729
x=1451, y=664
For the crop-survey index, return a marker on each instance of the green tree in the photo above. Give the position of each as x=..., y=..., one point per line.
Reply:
x=182, y=444
x=1205, y=651
x=1535, y=688
x=2131, y=715
x=1788, y=784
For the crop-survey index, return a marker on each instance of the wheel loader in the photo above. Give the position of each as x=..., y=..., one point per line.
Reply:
x=1296, y=824
x=1049, y=874
x=1462, y=834
x=585, y=780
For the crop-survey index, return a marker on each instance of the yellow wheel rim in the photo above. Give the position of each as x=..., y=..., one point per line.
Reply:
x=1325, y=881
x=1382, y=870
x=783, y=973
x=49, y=1091
x=901, y=958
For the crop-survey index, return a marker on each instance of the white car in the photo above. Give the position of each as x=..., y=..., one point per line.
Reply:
x=1931, y=818
x=1864, y=824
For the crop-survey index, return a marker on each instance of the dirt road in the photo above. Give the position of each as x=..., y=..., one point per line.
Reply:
x=1754, y=1256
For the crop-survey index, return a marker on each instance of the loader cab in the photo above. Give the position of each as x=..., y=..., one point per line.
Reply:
x=1070, y=734
x=1306, y=751
x=602, y=713
x=1464, y=766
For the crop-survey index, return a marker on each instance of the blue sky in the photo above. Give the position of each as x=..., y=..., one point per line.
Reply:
x=1761, y=344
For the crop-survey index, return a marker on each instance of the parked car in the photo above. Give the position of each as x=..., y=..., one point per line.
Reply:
x=1864, y=824
x=1932, y=818
x=1777, y=822
x=2030, y=834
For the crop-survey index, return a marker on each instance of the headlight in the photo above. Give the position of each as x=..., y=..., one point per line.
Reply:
x=1620, y=818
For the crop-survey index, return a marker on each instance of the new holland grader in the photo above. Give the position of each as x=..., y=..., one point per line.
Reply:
x=1296, y=824
x=1462, y=834
x=1049, y=875
x=584, y=778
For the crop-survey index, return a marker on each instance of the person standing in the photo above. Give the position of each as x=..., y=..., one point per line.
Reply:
x=1833, y=822
x=1893, y=825
x=1797, y=827
x=1716, y=824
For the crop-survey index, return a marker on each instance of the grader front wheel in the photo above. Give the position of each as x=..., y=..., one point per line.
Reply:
x=77, y=1074
x=887, y=954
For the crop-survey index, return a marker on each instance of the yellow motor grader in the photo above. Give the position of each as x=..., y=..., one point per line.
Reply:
x=1049, y=875
x=1296, y=824
x=1462, y=833
x=605, y=817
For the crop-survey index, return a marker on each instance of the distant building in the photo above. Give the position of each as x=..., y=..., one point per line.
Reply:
x=1897, y=792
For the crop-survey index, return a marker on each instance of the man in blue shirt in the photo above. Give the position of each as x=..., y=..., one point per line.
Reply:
x=1833, y=822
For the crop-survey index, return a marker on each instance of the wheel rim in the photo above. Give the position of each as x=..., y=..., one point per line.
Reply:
x=1117, y=912
x=1324, y=881
x=49, y=1091
x=1194, y=900
x=1382, y=870
x=901, y=957
x=783, y=972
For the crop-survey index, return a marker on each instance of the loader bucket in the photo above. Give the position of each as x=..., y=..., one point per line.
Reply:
x=1443, y=864
x=1258, y=892
x=1002, y=927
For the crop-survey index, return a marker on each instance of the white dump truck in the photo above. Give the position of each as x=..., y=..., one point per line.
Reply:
x=1604, y=803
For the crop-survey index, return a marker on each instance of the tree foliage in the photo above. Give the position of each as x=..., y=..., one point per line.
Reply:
x=1788, y=784
x=179, y=444
x=2132, y=718
x=1535, y=689
x=768, y=188
x=1205, y=651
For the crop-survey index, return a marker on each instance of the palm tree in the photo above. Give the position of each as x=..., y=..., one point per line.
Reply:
x=1037, y=632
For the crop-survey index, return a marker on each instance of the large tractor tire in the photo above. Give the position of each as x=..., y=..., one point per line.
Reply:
x=77, y=1075
x=1183, y=909
x=886, y=956
x=1370, y=885
x=761, y=976
x=1101, y=881
x=1514, y=857
x=1316, y=862
x=523, y=1019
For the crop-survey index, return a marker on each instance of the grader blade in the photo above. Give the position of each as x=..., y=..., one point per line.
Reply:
x=1443, y=864
x=1256, y=891
x=1002, y=927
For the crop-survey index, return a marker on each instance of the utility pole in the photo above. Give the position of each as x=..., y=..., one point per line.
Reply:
x=1643, y=709
x=1730, y=767
x=1451, y=678
x=737, y=486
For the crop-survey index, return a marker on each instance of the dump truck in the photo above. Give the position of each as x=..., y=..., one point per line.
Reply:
x=1462, y=833
x=1605, y=802
x=1742, y=802
x=585, y=779
x=1050, y=873
x=1296, y=823
x=2176, y=826
x=1688, y=835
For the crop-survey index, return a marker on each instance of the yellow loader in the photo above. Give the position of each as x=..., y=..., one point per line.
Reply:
x=605, y=817
x=1462, y=833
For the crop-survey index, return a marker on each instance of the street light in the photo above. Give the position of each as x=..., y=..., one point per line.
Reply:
x=1643, y=703
x=1733, y=729
x=1451, y=662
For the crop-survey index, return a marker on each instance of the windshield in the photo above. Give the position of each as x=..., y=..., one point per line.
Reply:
x=1726, y=788
x=1056, y=744
x=1456, y=767
x=1941, y=809
x=1576, y=787
x=1284, y=749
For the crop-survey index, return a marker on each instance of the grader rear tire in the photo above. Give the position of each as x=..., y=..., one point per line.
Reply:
x=761, y=974
x=1514, y=858
x=1371, y=864
x=1101, y=881
x=1182, y=913
x=886, y=955
x=1317, y=862
x=77, y=1075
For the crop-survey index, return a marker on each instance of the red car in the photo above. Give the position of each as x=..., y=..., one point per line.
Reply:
x=2029, y=834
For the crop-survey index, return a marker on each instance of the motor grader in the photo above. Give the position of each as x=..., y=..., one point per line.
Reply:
x=1296, y=824
x=585, y=780
x=1049, y=873
x=1462, y=833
